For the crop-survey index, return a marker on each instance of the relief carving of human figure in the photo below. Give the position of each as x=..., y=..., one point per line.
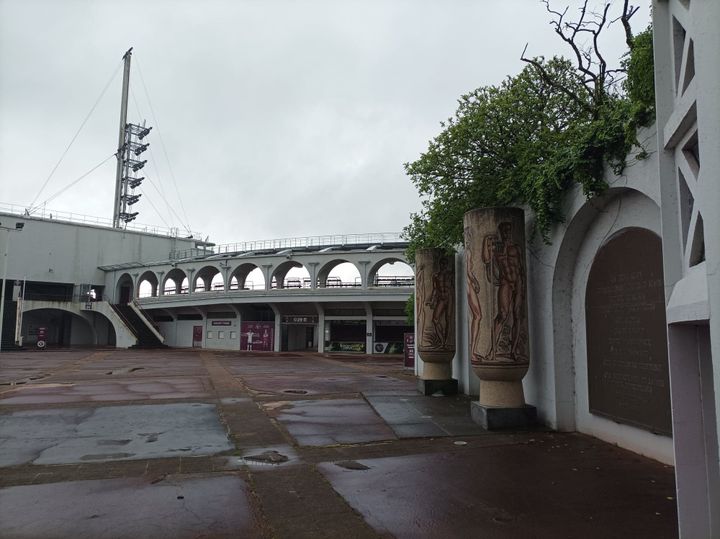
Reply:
x=473, y=296
x=503, y=268
x=439, y=302
x=420, y=289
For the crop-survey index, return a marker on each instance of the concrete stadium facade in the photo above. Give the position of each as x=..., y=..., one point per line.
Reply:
x=74, y=273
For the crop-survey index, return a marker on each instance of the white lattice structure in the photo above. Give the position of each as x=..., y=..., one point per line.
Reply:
x=687, y=81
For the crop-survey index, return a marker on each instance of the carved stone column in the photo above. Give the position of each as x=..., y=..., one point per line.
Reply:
x=435, y=308
x=498, y=314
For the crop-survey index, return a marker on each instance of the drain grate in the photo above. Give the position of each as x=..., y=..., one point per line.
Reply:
x=295, y=391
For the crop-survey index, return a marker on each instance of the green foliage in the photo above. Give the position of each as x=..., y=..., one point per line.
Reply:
x=640, y=81
x=410, y=310
x=526, y=142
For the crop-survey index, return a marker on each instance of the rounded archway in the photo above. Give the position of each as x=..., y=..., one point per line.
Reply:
x=173, y=282
x=124, y=289
x=290, y=274
x=391, y=272
x=205, y=277
x=339, y=273
x=247, y=276
x=61, y=328
x=147, y=285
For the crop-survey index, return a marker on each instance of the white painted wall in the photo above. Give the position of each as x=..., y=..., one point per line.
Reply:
x=221, y=335
x=557, y=277
x=59, y=252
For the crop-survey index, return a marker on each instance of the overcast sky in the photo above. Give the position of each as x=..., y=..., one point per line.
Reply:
x=279, y=118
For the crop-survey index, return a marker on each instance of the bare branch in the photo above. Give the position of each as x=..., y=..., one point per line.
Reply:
x=628, y=12
x=600, y=26
x=550, y=81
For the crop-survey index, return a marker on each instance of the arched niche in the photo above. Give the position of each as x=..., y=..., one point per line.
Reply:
x=124, y=289
x=339, y=273
x=391, y=271
x=147, y=285
x=247, y=276
x=627, y=365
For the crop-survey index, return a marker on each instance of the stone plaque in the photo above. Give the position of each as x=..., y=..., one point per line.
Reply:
x=626, y=332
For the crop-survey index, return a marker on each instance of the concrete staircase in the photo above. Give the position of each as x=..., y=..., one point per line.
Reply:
x=134, y=319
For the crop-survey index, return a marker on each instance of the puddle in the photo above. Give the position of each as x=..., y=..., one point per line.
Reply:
x=107, y=456
x=275, y=405
x=264, y=457
x=351, y=465
x=35, y=386
x=126, y=370
x=267, y=457
x=113, y=442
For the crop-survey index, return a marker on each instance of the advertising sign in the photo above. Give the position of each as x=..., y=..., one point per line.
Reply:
x=257, y=336
x=409, y=350
x=299, y=319
x=336, y=346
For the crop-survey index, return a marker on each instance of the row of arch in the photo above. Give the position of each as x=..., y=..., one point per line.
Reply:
x=249, y=276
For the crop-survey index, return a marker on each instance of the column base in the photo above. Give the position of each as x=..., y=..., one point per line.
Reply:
x=494, y=418
x=430, y=387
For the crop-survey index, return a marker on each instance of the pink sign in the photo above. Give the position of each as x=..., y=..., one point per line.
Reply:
x=257, y=336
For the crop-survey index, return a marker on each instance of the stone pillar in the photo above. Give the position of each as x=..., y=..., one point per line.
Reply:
x=498, y=315
x=435, y=308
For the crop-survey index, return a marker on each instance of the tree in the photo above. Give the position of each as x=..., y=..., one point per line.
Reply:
x=527, y=140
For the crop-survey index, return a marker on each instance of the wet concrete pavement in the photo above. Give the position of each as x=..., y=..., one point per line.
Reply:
x=188, y=443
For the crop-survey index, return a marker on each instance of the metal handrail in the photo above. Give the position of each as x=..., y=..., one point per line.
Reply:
x=303, y=242
x=70, y=217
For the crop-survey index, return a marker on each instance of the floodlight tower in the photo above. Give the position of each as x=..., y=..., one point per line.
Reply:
x=130, y=146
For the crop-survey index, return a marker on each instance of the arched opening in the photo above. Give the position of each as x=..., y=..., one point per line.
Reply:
x=147, y=285
x=218, y=283
x=247, y=277
x=291, y=274
x=339, y=273
x=205, y=277
x=174, y=281
x=124, y=289
x=60, y=328
x=391, y=272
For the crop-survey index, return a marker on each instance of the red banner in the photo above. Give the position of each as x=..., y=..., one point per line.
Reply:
x=257, y=336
